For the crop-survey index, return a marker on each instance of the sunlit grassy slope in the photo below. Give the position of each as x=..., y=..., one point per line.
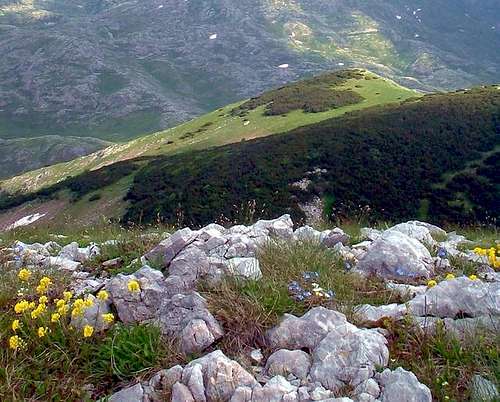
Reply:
x=213, y=129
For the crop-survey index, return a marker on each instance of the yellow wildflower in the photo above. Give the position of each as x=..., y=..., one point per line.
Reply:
x=15, y=325
x=45, y=281
x=88, y=303
x=42, y=331
x=133, y=286
x=41, y=289
x=60, y=303
x=102, y=295
x=21, y=306
x=449, y=276
x=108, y=318
x=38, y=311
x=431, y=283
x=31, y=305
x=77, y=311
x=473, y=277
x=67, y=296
x=78, y=303
x=55, y=317
x=63, y=310
x=43, y=300
x=88, y=330
x=15, y=342
x=24, y=274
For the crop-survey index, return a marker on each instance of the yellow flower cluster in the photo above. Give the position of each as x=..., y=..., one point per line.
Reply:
x=133, y=286
x=24, y=274
x=108, y=318
x=44, y=285
x=492, y=253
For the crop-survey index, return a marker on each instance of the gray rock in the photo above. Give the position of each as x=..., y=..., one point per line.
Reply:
x=193, y=378
x=165, y=379
x=320, y=393
x=398, y=257
x=190, y=264
x=187, y=316
x=247, y=268
x=168, y=249
x=284, y=362
x=222, y=376
x=459, y=296
x=63, y=263
x=402, y=386
x=134, y=393
x=369, y=387
x=306, y=331
x=348, y=356
x=281, y=227
x=181, y=393
x=277, y=389
x=483, y=390
x=418, y=231
x=307, y=233
x=138, y=306
x=371, y=315
x=330, y=238
x=256, y=356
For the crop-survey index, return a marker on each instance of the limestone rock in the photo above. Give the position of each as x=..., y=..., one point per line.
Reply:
x=306, y=331
x=483, y=390
x=402, y=386
x=284, y=362
x=398, y=257
x=348, y=356
x=138, y=306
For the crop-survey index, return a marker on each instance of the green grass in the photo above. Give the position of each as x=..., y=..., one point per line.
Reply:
x=443, y=362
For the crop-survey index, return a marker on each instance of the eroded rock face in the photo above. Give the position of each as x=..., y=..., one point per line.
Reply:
x=93, y=315
x=348, y=356
x=284, y=362
x=458, y=297
x=398, y=257
x=187, y=315
x=221, y=376
x=139, y=306
x=402, y=386
x=306, y=331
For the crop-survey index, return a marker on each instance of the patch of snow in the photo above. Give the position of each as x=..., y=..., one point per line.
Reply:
x=27, y=220
x=340, y=64
x=283, y=66
x=398, y=17
x=213, y=36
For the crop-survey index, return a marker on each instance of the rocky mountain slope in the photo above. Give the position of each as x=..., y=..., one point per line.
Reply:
x=114, y=69
x=258, y=313
x=21, y=155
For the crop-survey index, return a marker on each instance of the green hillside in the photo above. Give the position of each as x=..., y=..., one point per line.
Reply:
x=390, y=158
x=433, y=157
x=221, y=127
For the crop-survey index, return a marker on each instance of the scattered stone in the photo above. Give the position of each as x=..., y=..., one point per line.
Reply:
x=483, y=390
x=134, y=393
x=306, y=331
x=348, y=356
x=398, y=257
x=284, y=362
x=402, y=386
x=256, y=356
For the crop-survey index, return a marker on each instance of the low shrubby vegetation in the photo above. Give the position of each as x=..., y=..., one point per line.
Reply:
x=312, y=96
x=401, y=154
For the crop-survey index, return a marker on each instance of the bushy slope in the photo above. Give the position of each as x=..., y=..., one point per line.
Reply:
x=22, y=155
x=389, y=158
x=222, y=127
x=115, y=69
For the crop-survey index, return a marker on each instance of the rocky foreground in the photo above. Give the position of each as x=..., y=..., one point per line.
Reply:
x=319, y=356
